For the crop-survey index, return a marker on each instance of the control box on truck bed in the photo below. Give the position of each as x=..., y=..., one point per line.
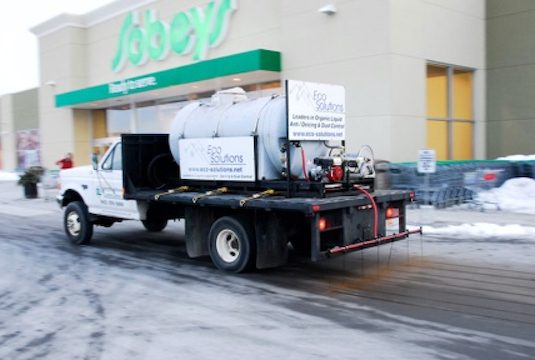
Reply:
x=253, y=179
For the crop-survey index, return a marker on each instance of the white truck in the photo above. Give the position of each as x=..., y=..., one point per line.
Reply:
x=237, y=171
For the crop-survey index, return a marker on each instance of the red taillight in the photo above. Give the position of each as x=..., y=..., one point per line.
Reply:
x=322, y=224
x=316, y=208
x=392, y=213
x=336, y=174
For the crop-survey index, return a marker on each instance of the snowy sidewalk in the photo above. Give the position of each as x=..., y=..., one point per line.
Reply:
x=12, y=201
x=458, y=215
x=515, y=199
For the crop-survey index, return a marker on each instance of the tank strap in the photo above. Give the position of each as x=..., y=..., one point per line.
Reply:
x=221, y=190
x=263, y=194
x=172, y=191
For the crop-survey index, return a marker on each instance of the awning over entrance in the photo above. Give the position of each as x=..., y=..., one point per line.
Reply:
x=259, y=62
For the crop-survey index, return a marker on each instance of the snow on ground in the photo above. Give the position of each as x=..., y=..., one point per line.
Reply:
x=516, y=195
x=8, y=176
x=479, y=238
x=517, y=158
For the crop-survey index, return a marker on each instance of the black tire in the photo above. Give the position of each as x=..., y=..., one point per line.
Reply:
x=159, y=170
x=232, y=245
x=78, y=227
x=154, y=225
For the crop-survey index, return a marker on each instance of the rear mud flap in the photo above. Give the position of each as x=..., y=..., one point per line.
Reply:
x=271, y=241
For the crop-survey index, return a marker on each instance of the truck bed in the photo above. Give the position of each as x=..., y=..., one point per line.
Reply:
x=303, y=205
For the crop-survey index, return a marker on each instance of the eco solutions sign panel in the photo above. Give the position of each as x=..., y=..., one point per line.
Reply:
x=229, y=159
x=316, y=111
x=145, y=37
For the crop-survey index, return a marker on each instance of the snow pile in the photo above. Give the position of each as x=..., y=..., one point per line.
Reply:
x=482, y=231
x=516, y=194
x=517, y=158
x=7, y=176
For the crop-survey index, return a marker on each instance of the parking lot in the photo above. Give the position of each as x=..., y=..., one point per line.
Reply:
x=131, y=294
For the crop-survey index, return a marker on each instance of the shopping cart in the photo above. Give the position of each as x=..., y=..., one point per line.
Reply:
x=50, y=184
x=478, y=181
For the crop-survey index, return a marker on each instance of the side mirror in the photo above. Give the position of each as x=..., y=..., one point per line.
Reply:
x=94, y=161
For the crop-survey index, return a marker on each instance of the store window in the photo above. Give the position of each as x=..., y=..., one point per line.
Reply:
x=155, y=116
x=450, y=120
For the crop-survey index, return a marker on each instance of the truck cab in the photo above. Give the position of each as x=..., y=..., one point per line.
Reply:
x=93, y=195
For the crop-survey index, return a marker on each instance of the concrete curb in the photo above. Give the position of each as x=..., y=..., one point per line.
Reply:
x=458, y=215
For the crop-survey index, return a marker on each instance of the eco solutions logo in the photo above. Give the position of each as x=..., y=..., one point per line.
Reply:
x=221, y=158
x=316, y=111
x=189, y=32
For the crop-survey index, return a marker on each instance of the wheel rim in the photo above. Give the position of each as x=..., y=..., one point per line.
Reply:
x=228, y=245
x=73, y=223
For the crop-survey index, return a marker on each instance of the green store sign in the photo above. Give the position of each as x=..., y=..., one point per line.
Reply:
x=189, y=32
x=245, y=62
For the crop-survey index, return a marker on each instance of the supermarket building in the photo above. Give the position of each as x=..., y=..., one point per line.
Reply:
x=416, y=72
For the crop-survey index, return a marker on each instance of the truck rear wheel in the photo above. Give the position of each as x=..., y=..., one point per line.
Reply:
x=78, y=227
x=232, y=244
x=155, y=225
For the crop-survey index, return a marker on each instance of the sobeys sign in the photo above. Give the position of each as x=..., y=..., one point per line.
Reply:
x=193, y=31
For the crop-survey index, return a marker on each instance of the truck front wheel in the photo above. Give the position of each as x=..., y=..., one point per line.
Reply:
x=78, y=227
x=232, y=244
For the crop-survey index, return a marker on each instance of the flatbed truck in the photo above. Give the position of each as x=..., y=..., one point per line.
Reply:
x=239, y=229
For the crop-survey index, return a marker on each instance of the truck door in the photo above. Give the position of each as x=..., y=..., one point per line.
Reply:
x=109, y=187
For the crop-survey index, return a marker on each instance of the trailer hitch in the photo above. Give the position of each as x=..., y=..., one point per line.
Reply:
x=221, y=190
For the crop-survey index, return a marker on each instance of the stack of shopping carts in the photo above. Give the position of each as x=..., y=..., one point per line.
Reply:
x=454, y=182
x=478, y=181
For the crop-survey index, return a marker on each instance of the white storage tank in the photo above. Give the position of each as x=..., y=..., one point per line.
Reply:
x=231, y=114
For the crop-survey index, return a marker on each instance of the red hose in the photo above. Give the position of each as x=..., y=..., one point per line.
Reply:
x=375, y=210
x=303, y=163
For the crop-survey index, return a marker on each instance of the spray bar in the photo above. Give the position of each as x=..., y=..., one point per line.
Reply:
x=373, y=242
